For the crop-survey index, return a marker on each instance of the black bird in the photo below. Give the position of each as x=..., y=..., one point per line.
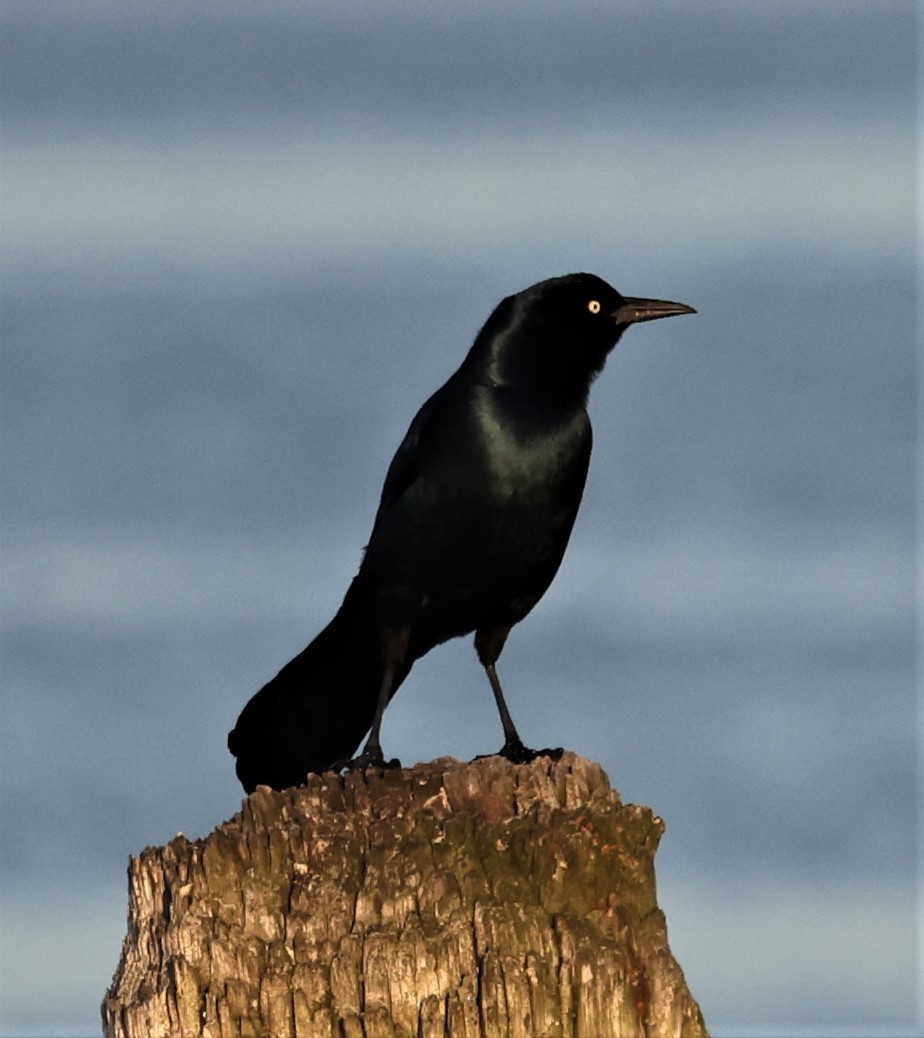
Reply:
x=473, y=521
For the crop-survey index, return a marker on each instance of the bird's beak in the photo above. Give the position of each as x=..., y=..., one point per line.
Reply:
x=634, y=310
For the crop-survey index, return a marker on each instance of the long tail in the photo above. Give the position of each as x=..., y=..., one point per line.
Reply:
x=317, y=709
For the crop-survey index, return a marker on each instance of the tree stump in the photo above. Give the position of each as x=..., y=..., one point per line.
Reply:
x=448, y=900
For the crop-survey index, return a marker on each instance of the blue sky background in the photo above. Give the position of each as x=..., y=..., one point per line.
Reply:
x=241, y=243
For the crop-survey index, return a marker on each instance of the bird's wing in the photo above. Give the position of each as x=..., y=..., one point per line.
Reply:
x=406, y=465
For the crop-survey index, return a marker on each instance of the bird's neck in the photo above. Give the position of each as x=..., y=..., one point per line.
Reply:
x=542, y=372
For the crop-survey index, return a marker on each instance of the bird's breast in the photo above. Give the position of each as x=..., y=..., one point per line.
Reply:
x=528, y=453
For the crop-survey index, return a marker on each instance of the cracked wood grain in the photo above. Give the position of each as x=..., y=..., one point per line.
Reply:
x=448, y=900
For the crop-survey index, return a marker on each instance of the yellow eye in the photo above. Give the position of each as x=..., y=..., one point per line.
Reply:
x=594, y=306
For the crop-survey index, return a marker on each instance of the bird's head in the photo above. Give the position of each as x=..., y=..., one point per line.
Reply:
x=555, y=336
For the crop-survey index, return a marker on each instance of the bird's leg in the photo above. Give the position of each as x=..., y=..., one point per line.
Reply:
x=512, y=741
x=394, y=647
x=488, y=644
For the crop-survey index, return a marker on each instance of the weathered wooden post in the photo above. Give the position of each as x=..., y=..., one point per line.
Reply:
x=448, y=900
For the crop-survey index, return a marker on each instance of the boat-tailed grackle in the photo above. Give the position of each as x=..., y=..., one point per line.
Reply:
x=473, y=521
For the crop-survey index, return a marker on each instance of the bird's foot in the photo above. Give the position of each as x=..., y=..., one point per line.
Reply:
x=517, y=753
x=367, y=759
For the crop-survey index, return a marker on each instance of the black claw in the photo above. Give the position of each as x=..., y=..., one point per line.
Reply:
x=517, y=753
x=553, y=752
x=364, y=761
